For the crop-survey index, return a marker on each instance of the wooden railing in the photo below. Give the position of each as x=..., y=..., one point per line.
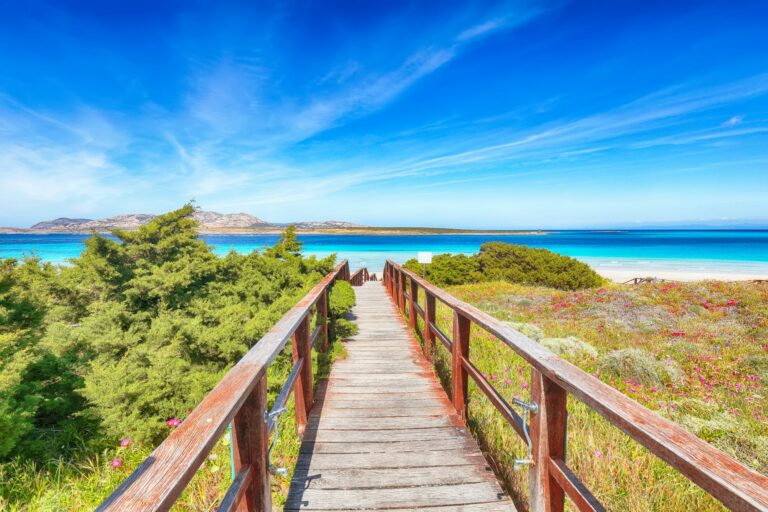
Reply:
x=552, y=379
x=240, y=398
x=360, y=276
x=644, y=280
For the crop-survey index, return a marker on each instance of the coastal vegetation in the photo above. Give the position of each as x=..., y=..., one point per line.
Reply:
x=101, y=359
x=696, y=353
x=499, y=261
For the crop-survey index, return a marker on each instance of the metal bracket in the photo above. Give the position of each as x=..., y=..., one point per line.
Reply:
x=528, y=409
x=271, y=418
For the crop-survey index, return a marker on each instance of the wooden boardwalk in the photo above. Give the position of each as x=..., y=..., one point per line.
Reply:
x=383, y=434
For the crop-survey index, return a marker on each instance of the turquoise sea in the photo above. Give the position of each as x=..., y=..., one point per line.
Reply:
x=738, y=252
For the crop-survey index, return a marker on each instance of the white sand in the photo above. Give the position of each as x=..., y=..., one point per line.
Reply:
x=621, y=276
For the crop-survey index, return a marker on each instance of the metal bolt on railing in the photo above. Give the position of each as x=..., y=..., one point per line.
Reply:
x=271, y=418
x=528, y=409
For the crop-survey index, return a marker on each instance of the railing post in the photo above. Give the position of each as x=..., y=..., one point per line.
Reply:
x=414, y=299
x=429, y=318
x=459, y=350
x=303, y=389
x=401, y=294
x=250, y=446
x=548, y=437
x=322, y=316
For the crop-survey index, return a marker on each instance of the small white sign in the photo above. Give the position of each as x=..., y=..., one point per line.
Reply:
x=425, y=258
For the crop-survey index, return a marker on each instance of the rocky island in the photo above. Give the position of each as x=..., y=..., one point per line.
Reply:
x=226, y=223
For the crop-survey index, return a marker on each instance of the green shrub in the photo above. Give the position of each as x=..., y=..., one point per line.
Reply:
x=136, y=331
x=571, y=347
x=525, y=265
x=448, y=269
x=498, y=261
x=636, y=365
x=345, y=328
x=758, y=363
x=342, y=299
x=532, y=331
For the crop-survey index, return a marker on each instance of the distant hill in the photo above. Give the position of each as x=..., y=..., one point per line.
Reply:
x=227, y=220
x=208, y=221
x=64, y=223
x=130, y=221
x=326, y=224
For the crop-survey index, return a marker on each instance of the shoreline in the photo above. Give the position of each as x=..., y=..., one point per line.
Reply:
x=621, y=276
x=279, y=230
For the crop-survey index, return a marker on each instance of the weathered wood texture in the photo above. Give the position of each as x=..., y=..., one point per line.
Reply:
x=383, y=434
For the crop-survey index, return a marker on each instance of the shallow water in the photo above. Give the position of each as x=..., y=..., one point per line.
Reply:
x=733, y=251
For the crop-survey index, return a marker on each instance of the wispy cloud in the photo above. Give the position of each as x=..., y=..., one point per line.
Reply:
x=236, y=136
x=482, y=29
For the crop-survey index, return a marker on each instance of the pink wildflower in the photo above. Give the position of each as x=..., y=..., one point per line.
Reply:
x=524, y=384
x=173, y=422
x=508, y=381
x=125, y=443
x=116, y=463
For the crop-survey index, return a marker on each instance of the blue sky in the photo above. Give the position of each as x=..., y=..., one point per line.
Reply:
x=466, y=114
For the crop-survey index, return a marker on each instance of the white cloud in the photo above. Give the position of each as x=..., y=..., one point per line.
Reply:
x=479, y=30
x=733, y=121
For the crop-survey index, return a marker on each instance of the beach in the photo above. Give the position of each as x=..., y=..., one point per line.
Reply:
x=622, y=276
x=727, y=255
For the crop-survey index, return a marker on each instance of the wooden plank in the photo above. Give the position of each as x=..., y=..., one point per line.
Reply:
x=382, y=423
x=429, y=318
x=384, y=436
x=408, y=445
x=365, y=479
x=459, y=352
x=413, y=303
x=341, y=402
x=333, y=412
x=471, y=507
x=250, y=437
x=584, y=500
x=302, y=349
x=407, y=497
x=322, y=318
x=548, y=436
x=366, y=393
x=320, y=461
x=236, y=491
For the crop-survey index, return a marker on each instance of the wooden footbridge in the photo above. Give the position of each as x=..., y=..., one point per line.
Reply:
x=381, y=434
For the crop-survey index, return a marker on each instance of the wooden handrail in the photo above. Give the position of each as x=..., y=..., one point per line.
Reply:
x=359, y=277
x=240, y=398
x=731, y=482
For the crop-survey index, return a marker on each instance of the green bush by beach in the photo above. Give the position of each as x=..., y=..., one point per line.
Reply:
x=499, y=261
x=101, y=359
